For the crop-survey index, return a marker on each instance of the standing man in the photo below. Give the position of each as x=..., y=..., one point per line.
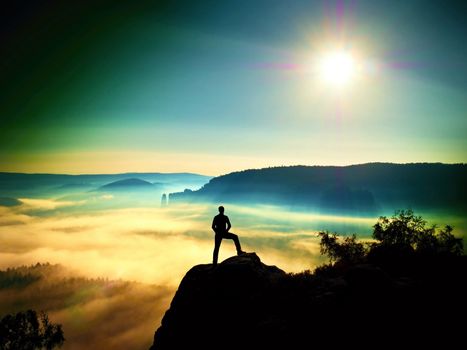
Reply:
x=221, y=226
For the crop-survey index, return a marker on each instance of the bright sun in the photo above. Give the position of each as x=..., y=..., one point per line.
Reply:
x=337, y=68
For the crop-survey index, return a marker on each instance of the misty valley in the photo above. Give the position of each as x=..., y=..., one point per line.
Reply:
x=104, y=254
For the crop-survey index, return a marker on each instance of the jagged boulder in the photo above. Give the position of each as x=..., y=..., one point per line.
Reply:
x=226, y=303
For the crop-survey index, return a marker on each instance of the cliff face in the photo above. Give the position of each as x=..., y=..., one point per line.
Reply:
x=245, y=304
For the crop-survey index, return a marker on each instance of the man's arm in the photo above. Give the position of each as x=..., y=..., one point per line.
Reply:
x=228, y=224
x=213, y=226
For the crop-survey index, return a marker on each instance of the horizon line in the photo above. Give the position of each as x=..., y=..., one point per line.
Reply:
x=234, y=171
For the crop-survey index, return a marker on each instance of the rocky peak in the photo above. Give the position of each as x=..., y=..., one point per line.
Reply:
x=212, y=301
x=244, y=304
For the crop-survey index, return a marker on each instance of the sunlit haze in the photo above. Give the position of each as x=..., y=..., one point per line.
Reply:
x=188, y=86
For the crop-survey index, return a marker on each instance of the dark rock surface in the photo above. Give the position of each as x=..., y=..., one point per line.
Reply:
x=220, y=304
x=245, y=304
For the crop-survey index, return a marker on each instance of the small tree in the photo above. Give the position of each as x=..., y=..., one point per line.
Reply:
x=440, y=242
x=403, y=228
x=346, y=250
x=29, y=331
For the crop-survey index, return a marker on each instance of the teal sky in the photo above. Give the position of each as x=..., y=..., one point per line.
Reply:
x=216, y=86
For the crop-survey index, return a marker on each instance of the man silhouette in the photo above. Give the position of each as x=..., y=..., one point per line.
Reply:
x=221, y=226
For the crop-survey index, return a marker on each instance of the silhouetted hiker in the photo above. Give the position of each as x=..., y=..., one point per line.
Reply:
x=221, y=226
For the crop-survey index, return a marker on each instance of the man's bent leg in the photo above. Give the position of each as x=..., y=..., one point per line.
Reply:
x=234, y=237
x=217, y=244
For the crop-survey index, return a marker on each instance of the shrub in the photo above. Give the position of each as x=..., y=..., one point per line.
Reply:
x=398, y=238
x=344, y=250
x=405, y=229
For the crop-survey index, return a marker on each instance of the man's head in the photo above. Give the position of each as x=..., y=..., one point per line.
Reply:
x=221, y=209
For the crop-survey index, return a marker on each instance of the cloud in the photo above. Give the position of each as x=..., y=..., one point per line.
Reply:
x=46, y=204
x=143, y=244
x=153, y=247
x=102, y=245
x=95, y=313
x=107, y=196
x=11, y=217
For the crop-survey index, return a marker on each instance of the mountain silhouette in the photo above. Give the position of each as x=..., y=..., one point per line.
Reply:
x=17, y=185
x=126, y=184
x=245, y=304
x=74, y=186
x=364, y=188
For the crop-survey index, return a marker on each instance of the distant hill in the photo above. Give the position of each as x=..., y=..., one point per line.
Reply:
x=40, y=185
x=365, y=188
x=74, y=186
x=127, y=184
x=31, y=180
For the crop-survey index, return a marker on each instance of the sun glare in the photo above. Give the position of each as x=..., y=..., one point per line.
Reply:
x=337, y=68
